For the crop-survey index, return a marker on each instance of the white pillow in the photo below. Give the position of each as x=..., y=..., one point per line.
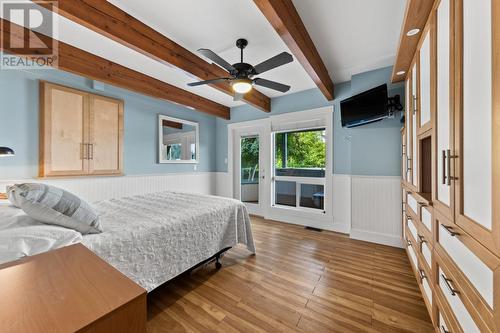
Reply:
x=52, y=205
x=19, y=242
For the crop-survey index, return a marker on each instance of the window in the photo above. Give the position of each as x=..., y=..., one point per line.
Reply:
x=299, y=168
x=174, y=152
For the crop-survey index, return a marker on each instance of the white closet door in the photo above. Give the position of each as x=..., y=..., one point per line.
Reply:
x=414, y=127
x=475, y=195
x=408, y=119
x=443, y=112
x=425, y=80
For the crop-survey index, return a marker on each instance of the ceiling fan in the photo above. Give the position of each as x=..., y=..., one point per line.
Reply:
x=241, y=74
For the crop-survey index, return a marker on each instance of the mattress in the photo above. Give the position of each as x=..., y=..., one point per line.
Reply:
x=153, y=238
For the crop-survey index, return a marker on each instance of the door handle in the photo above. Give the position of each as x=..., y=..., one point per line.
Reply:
x=443, y=160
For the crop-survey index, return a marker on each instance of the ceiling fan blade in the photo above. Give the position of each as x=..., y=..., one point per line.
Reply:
x=276, y=61
x=271, y=84
x=238, y=97
x=215, y=58
x=194, y=84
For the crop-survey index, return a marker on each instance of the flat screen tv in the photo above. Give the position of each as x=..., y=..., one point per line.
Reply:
x=364, y=108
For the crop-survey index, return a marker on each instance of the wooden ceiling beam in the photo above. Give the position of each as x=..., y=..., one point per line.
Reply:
x=112, y=22
x=416, y=14
x=80, y=62
x=285, y=19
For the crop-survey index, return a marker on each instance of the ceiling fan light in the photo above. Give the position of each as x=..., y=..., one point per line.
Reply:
x=242, y=86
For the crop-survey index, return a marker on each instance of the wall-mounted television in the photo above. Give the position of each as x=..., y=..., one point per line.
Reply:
x=364, y=108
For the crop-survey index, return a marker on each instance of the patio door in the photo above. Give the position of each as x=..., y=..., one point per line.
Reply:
x=249, y=175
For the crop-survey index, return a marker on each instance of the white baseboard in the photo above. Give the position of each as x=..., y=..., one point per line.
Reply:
x=375, y=237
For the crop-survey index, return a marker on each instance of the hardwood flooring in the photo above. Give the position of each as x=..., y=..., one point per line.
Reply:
x=299, y=281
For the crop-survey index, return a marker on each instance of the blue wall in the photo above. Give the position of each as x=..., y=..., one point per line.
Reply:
x=19, y=125
x=368, y=150
x=373, y=149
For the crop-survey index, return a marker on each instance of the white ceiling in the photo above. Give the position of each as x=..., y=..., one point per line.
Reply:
x=216, y=25
x=353, y=36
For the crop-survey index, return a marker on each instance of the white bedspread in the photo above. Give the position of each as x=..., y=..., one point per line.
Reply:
x=153, y=238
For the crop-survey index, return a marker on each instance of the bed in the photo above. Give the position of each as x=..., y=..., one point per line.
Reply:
x=152, y=238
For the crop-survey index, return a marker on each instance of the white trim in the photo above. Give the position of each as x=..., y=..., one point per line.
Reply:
x=375, y=237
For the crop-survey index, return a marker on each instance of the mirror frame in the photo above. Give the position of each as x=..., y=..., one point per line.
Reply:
x=161, y=118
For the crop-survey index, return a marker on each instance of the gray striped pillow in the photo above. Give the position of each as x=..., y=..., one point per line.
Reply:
x=52, y=205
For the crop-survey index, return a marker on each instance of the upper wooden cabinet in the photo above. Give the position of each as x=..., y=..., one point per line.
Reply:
x=80, y=133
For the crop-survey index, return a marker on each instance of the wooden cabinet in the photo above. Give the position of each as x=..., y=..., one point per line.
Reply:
x=454, y=82
x=444, y=127
x=80, y=133
x=477, y=116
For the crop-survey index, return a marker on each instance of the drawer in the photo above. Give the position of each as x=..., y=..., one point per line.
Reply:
x=443, y=327
x=412, y=203
x=453, y=296
x=477, y=265
x=412, y=254
x=412, y=228
x=426, y=217
x=426, y=251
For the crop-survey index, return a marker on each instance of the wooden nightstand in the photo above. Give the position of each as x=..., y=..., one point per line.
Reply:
x=69, y=290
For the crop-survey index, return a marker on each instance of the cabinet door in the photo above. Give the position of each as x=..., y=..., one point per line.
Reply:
x=444, y=106
x=425, y=82
x=408, y=119
x=106, y=136
x=63, y=118
x=414, y=157
x=478, y=115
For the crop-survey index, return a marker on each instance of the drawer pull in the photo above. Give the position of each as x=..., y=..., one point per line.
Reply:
x=422, y=275
x=450, y=230
x=444, y=330
x=443, y=159
x=421, y=239
x=448, y=282
x=422, y=204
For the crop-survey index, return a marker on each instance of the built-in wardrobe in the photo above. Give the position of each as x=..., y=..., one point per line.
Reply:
x=451, y=165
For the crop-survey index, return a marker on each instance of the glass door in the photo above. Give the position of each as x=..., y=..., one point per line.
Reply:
x=249, y=173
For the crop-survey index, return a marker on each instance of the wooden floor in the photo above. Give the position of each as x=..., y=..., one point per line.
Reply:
x=299, y=281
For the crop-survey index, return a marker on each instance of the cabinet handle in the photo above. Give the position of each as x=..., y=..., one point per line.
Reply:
x=422, y=274
x=414, y=104
x=448, y=282
x=450, y=230
x=444, y=330
x=443, y=159
x=448, y=169
x=421, y=239
x=91, y=151
x=408, y=242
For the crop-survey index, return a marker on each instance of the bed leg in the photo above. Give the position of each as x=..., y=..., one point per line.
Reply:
x=218, y=265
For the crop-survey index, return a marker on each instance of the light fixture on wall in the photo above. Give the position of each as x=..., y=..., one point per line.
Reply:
x=6, y=151
x=412, y=32
x=242, y=86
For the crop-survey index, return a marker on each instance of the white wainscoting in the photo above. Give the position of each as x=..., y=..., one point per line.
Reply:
x=376, y=209
x=102, y=188
x=366, y=207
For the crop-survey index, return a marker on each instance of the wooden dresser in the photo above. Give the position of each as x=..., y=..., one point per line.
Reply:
x=69, y=290
x=451, y=165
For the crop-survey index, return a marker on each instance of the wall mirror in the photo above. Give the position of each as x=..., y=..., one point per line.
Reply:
x=178, y=140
